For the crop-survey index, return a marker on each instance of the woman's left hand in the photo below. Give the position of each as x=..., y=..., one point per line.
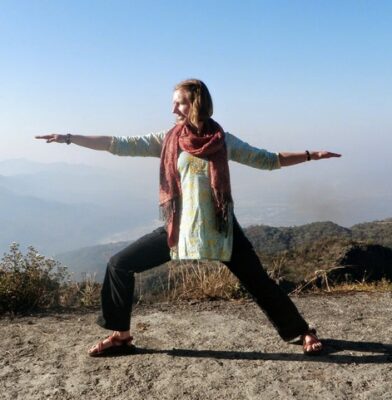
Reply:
x=286, y=159
x=319, y=155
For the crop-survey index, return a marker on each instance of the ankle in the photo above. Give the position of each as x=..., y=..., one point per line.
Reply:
x=309, y=332
x=122, y=334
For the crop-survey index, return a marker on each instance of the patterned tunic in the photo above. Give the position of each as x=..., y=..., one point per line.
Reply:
x=198, y=236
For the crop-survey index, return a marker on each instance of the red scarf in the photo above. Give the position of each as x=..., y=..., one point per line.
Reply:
x=211, y=145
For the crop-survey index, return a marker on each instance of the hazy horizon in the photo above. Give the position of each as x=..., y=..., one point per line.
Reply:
x=280, y=198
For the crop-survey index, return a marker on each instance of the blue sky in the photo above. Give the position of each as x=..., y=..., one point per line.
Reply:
x=284, y=75
x=99, y=65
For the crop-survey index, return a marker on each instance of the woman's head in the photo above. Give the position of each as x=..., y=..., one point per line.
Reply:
x=192, y=102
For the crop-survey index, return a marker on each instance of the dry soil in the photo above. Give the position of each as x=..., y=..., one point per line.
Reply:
x=210, y=350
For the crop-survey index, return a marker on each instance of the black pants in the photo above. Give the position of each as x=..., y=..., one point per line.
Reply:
x=152, y=250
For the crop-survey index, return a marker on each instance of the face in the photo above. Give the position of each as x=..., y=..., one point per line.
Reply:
x=181, y=106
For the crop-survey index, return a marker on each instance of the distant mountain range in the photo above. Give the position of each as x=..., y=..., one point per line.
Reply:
x=265, y=239
x=49, y=225
x=90, y=260
x=61, y=207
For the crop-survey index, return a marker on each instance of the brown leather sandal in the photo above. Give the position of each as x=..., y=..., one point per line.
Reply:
x=118, y=347
x=311, y=343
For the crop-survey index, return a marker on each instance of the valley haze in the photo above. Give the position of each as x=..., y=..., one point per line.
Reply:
x=60, y=207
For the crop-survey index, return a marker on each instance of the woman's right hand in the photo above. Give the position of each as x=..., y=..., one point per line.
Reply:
x=91, y=142
x=53, y=137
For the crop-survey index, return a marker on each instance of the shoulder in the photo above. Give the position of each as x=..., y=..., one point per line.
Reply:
x=232, y=141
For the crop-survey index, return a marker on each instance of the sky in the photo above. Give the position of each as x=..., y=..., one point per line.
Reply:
x=284, y=75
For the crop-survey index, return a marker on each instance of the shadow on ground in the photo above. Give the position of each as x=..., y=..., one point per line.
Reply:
x=332, y=348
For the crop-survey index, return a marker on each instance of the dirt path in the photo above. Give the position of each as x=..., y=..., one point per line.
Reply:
x=211, y=350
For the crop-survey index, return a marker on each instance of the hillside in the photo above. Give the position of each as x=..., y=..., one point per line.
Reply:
x=269, y=240
x=91, y=259
x=265, y=239
x=310, y=246
x=342, y=259
x=379, y=232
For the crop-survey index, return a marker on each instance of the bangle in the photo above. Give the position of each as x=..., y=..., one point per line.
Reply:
x=308, y=157
x=68, y=138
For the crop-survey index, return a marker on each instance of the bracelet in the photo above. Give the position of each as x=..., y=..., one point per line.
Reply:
x=68, y=138
x=308, y=157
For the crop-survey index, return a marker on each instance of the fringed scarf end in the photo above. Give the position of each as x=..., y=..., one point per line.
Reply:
x=223, y=211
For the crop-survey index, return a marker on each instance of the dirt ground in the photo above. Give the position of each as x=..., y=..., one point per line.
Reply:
x=210, y=350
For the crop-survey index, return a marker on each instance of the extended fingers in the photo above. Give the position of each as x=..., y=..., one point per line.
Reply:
x=51, y=138
x=43, y=137
x=325, y=154
x=328, y=154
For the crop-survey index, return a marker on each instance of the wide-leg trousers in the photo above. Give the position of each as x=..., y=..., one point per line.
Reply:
x=152, y=250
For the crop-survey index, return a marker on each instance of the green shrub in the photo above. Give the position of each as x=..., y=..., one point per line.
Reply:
x=29, y=281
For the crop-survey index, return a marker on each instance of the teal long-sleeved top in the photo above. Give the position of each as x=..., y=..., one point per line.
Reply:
x=198, y=237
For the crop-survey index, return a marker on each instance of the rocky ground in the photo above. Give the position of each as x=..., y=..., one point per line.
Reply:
x=210, y=350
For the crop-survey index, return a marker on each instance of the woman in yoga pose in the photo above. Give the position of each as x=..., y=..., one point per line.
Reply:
x=197, y=207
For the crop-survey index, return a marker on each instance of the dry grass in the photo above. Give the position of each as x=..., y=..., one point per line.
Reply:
x=213, y=280
x=81, y=294
x=380, y=286
x=201, y=281
x=320, y=282
x=277, y=271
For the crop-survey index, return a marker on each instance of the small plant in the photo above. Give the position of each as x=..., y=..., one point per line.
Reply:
x=278, y=268
x=89, y=291
x=29, y=281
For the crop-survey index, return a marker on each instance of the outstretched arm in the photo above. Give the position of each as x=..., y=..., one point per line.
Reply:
x=287, y=159
x=243, y=153
x=92, y=142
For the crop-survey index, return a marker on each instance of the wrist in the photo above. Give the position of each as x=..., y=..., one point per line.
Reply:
x=68, y=138
x=308, y=155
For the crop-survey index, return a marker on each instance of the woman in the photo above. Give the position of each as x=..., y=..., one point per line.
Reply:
x=196, y=204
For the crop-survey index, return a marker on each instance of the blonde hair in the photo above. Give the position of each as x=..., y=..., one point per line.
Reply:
x=201, y=102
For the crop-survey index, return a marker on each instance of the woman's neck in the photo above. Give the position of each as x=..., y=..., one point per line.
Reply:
x=200, y=129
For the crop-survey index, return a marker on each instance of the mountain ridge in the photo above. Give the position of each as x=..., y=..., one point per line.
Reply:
x=267, y=241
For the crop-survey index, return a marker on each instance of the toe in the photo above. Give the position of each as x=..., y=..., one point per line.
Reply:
x=93, y=349
x=317, y=346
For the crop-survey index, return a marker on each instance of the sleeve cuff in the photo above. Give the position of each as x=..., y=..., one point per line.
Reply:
x=112, y=146
x=278, y=166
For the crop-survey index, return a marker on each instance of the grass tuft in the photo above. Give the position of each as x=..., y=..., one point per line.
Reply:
x=194, y=280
